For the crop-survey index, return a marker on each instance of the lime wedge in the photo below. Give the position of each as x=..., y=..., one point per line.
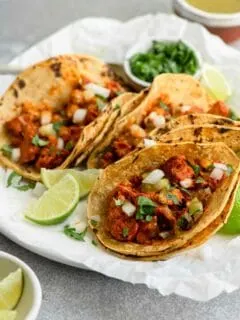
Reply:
x=56, y=204
x=85, y=179
x=11, y=289
x=215, y=83
x=233, y=224
x=8, y=315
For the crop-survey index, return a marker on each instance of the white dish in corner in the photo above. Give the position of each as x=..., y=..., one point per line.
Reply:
x=143, y=45
x=29, y=304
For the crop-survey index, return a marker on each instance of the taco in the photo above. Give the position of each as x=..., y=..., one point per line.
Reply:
x=53, y=111
x=204, y=134
x=159, y=198
x=169, y=97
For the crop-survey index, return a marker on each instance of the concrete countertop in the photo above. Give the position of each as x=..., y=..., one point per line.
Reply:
x=70, y=293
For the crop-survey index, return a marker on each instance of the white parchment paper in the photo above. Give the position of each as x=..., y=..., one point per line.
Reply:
x=200, y=274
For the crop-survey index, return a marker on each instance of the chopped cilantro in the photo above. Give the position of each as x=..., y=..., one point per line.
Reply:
x=229, y=169
x=72, y=233
x=116, y=107
x=7, y=150
x=185, y=190
x=14, y=180
x=182, y=223
x=94, y=223
x=100, y=104
x=196, y=168
x=210, y=167
x=233, y=115
x=118, y=202
x=69, y=145
x=39, y=142
x=200, y=180
x=94, y=243
x=173, y=197
x=125, y=232
x=164, y=106
x=146, y=207
x=57, y=126
x=148, y=218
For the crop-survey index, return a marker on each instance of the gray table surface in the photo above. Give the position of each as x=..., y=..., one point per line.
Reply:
x=70, y=293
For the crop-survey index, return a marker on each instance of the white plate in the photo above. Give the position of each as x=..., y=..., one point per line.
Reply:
x=200, y=274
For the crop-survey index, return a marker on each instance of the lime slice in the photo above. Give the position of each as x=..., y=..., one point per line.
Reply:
x=85, y=179
x=8, y=315
x=56, y=204
x=233, y=224
x=215, y=83
x=11, y=289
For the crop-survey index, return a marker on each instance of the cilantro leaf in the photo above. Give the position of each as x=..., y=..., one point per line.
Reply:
x=196, y=168
x=164, y=106
x=39, y=142
x=94, y=243
x=100, y=103
x=69, y=145
x=146, y=207
x=57, y=126
x=200, y=180
x=94, y=223
x=148, y=218
x=14, y=180
x=7, y=150
x=229, y=169
x=125, y=232
x=116, y=107
x=172, y=197
x=72, y=233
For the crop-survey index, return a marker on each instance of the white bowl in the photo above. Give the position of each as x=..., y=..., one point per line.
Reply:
x=30, y=302
x=142, y=47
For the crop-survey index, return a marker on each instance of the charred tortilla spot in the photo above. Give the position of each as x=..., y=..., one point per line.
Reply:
x=56, y=68
x=181, y=139
x=223, y=130
x=21, y=83
x=135, y=158
x=15, y=92
x=197, y=132
x=191, y=118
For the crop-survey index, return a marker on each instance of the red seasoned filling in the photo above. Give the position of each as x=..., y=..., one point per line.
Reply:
x=164, y=200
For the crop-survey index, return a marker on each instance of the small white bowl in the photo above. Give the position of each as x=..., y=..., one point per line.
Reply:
x=143, y=46
x=30, y=301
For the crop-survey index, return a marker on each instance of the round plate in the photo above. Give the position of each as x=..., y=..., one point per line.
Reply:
x=200, y=274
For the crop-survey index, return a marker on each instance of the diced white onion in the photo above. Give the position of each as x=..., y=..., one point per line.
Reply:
x=164, y=234
x=186, y=108
x=137, y=131
x=221, y=166
x=80, y=226
x=157, y=120
x=88, y=95
x=47, y=130
x=79, y=115
x=128, y=208
x=207, y=190
x=154, y=176
x=188, y=217
x=16, y=153
x=217, y=174
x=46, y=117
x=96, y=89
x=186, y=183
x=96, y=218
x=60, y=143
x=149, y=143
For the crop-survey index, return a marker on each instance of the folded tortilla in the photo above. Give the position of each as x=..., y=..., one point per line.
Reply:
x=50, y=83
x=137, y=163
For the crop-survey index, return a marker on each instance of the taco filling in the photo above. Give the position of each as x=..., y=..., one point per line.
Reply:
x=44, y=137
x=163, y=200
x=157, y=116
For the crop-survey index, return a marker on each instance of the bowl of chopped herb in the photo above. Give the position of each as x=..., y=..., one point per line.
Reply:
x=149, y=58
